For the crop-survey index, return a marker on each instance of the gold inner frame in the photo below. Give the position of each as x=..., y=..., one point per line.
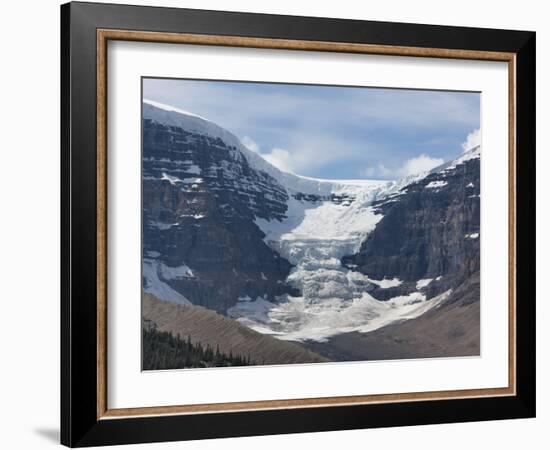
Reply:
x=104, y=35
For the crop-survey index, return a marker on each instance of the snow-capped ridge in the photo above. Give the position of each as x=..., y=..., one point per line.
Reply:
x=175, y=117
x=172, y=116
x=172, y=108
x=473, y=153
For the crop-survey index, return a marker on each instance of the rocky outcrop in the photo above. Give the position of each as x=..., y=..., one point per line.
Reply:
x=430, y=230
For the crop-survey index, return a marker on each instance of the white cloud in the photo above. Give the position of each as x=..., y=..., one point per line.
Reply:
x=279, y=158
x=419, y=164
x=473, y=140
x=413, y=166
x=306, y=153
x=251, y=144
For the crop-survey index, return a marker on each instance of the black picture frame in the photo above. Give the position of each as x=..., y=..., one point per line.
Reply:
x=80, y=425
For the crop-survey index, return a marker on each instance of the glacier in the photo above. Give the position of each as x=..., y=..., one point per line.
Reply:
x=334, y=299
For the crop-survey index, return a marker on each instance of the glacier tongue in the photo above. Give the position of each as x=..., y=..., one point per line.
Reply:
x=334, y=299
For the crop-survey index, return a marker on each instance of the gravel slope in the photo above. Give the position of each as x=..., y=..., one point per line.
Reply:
x=208, y=327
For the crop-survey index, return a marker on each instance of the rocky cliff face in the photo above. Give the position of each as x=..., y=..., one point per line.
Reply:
x=430, y=231
x=200, y=199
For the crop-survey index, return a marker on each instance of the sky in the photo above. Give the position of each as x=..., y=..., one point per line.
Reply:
x=333, y=132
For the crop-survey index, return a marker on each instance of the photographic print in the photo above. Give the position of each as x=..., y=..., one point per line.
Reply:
x=294, y=223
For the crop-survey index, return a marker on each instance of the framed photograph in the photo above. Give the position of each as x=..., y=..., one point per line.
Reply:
x=277, y=224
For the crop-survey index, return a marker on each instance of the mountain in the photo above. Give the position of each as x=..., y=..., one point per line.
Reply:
x=297, y=258
x=200, y=200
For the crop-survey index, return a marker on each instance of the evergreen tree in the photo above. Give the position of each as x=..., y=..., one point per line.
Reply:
x=162, y=350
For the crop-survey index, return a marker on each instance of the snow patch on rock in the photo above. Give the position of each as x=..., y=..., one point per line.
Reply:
x=175, y=273
x=420, y=284
x=386, y=283
x=157, y=287
x=436, y=184
x=171, y=179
